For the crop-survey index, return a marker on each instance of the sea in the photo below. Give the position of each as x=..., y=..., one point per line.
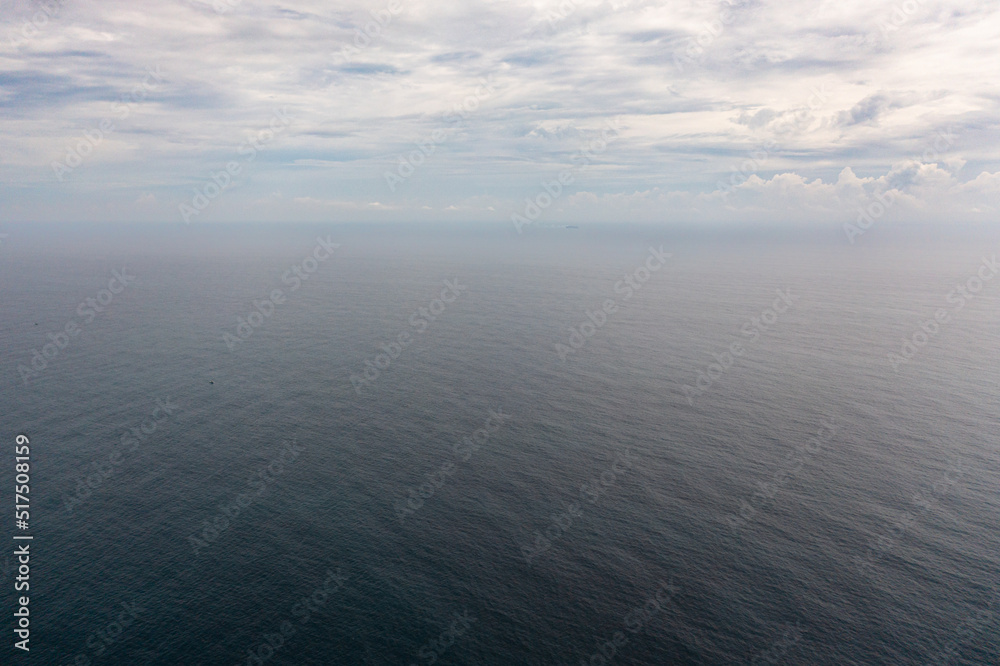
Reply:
x=462, y=445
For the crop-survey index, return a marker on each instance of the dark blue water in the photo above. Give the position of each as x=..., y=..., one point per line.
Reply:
x=813, y=505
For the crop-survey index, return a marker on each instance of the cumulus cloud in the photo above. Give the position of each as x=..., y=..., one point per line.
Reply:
x=917, y=191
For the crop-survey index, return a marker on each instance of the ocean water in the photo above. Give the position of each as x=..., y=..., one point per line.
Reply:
x=805, y=501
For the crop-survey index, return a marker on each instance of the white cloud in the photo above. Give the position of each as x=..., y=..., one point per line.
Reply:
x=827, y=84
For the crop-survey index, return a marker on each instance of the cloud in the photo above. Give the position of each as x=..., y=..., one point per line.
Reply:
x=926, y=192
x=884, y=96
x=872, y=107
x=760, y=118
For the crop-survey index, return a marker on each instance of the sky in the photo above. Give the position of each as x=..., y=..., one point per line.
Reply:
x=746, y=112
